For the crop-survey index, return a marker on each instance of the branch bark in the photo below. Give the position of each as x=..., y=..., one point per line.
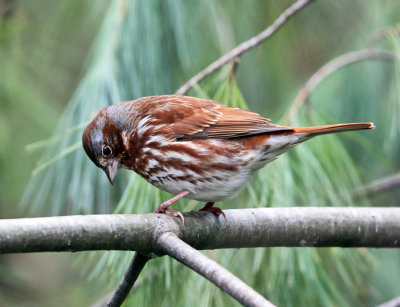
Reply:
x=245, y=46
x=128, y=280
x=392, y=303
x=171, y=245
x=262, y=227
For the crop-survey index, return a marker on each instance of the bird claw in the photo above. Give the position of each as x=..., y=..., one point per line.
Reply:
x=176, y=213
x=163, y=208
x=217, y=211
x=172, y=212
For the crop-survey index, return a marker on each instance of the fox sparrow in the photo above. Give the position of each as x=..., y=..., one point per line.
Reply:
x=191, y=147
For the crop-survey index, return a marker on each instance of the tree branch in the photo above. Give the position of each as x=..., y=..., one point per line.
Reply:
x=383, y=33
x=331, y=67
x=383, y=184
x=171, y=245
x=245, y=46
x=392, y=303
x=128, y=280
x=136, y=284
x=262, y=227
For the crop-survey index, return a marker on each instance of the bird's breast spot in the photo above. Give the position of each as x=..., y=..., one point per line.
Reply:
x=151, y=164
x=152, y=151
x=156, y=138
x=186, y=158
x=142, y=126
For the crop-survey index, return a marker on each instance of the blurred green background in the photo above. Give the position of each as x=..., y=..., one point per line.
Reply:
x=61, y=61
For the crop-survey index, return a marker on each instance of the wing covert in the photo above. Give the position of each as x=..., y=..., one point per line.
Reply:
x=195, y=118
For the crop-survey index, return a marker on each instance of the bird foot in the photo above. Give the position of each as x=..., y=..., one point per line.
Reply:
x=210, y=207
x=163, y=208
x=172, y=212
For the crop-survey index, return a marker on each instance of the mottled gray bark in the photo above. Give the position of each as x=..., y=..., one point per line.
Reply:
x=128, y=280
x=262, y=227
x=171, y=245
x=392, y=303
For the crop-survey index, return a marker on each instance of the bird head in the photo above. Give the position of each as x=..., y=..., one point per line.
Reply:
x=103, y=144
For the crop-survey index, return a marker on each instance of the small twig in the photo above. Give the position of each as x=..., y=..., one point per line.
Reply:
x=128, y=280
x=6, y=8
x=245, y=46
x=381, y=34
x=103, y=301
x=379, y=186
x=235, y=64
x=171, y=245
x=331, y=67
x=392, y=303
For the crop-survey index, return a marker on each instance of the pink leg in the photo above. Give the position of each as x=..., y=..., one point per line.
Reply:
x=210, y=207
x=163, y=208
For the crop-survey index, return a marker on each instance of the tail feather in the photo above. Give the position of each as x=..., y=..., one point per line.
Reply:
x=318, y=130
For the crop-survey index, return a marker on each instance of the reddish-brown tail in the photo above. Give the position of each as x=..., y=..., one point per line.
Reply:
x=333, y=128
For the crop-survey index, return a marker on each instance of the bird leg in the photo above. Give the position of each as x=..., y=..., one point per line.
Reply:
x=210, y=207
x=163, y=208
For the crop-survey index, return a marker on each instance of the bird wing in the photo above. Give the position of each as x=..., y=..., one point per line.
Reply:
x=194, y=118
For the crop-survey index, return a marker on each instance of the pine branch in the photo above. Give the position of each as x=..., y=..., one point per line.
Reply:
x=125, y=285
x=163, y=234
x=171, y=245
x=378, y=186
x=392, y=303
x=245, y=46
x=106, y=299
x=261, y=227
x=332, y=66
x=382, y=34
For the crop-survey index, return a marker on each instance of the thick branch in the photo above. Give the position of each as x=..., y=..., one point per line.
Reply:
x=245, y=46
x=171, y=245
x=262, y=227
x=392, y=303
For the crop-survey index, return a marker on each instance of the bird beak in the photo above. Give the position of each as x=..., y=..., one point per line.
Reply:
x=111, y=171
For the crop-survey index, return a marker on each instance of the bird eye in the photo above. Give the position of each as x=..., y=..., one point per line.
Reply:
x=107, y=151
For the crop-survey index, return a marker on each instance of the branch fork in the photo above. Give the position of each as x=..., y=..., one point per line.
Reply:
x=164, y=234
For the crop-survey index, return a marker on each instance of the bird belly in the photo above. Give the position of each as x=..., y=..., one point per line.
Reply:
x=211, y=170
x=217, y=187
